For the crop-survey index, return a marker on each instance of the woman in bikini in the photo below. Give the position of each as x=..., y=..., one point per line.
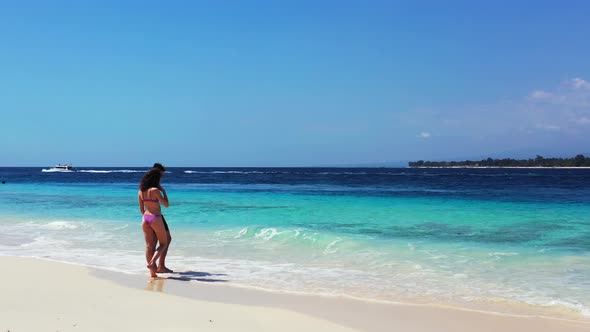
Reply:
x=162, y=261
x=150, y=195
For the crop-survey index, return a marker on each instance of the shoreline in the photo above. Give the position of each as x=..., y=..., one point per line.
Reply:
x=491, y=305
x=255, y=310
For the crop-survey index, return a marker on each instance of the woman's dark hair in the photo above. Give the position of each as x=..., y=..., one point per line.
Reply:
x=151, y=179
x=159, y=167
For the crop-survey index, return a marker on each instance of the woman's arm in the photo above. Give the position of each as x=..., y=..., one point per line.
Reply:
x=163, y=199
x=141, y=207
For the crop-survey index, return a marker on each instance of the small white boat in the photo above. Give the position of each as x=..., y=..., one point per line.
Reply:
x=60, y=168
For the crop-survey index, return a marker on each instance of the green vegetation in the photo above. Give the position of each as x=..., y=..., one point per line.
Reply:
x=539, y=161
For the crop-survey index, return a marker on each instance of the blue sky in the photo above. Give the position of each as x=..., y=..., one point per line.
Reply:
x=291, y=83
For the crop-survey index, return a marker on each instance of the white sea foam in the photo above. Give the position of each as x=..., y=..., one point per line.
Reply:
x=341, y=173
x=242, y=232
x=330, y=249
x=45, y=243
x=575, y=306
x=111, y=171
x=95, y=171
x=227, y=172
x=58, y=225
x=253, y=256
x=121, y=227
x=499, y=255
x=309, y=237
x=267, y=233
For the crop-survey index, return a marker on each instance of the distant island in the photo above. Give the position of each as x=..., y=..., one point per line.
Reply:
x=578, y=161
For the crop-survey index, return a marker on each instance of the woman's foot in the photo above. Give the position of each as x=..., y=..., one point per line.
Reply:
x=164, y=270
x=152, y=269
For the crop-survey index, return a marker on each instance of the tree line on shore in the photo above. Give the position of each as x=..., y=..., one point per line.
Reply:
x=578, y=161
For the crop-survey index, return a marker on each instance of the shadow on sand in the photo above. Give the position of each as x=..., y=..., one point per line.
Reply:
x=194, y=276
x=157, y=284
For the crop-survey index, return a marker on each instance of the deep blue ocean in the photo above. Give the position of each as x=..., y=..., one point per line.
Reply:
x=515, y=240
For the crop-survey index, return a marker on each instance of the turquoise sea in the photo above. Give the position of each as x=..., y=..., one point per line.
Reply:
x=505, y=240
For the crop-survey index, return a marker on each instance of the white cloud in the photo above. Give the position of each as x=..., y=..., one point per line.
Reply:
x=579, y=83
x=540, y=94
x=549, y=127
x=565, y=108
x=572, y=93
x=548, y=114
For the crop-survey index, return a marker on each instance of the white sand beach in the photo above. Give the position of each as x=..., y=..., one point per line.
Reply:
x=41, y=295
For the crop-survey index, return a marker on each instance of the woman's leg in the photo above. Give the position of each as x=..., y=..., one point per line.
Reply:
x=162, y=262
x=158, y=227
x=150, y=242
